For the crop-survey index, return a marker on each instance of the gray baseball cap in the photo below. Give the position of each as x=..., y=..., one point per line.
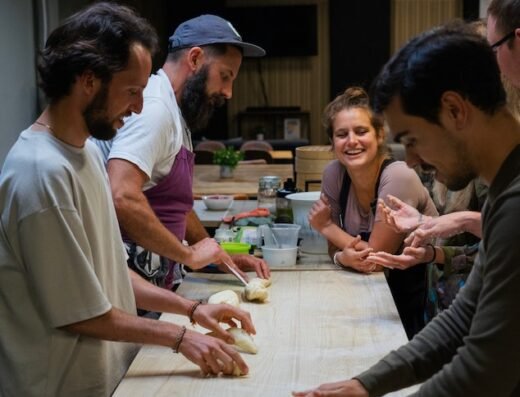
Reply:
x=210, y=29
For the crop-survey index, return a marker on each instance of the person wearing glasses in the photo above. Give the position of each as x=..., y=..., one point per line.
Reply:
x=442, y=96
x=503, y=33
x=362, y=173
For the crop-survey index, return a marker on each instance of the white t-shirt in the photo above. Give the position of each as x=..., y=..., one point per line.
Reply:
x=151, y=139
x=61, y=261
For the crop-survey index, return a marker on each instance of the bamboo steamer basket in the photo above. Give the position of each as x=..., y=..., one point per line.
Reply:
x=309, y=163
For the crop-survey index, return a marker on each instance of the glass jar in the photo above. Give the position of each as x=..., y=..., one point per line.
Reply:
x=283, y=206
x=267, y=188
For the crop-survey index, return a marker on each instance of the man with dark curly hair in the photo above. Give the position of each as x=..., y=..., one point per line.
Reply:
x=443, y=98
x=66, y=294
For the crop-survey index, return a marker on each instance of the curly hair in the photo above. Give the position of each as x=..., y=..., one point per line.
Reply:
x=99, y=39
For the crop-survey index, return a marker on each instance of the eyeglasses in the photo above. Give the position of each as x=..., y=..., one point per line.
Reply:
x=508, y=36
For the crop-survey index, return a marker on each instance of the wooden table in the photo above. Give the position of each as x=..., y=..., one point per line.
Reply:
x=206, y=178
x=318, y=326
x=282, y=156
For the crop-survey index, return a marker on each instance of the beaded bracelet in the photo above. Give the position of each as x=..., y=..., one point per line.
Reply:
x=191, y=312
x=178, y=340
x=434, y=253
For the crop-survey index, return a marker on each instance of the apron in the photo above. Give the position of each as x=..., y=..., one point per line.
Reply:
x=171, y=200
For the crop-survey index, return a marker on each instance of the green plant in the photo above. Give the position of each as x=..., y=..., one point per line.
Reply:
x=227, y=156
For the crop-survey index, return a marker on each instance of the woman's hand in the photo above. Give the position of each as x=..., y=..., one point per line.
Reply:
x=346, y=388
x=402, y=217
x=320, y=214
x=210, y=317
x=212, y=355
x=410, y=257
x=354, y=255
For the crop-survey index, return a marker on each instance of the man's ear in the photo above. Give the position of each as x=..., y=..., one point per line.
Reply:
x=195, y=58
x=88, y=82
x=454, y=109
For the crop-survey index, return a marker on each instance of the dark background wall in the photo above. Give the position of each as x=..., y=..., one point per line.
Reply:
x=359, y=42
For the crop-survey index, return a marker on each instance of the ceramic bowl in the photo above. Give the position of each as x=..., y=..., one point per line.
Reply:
x=217, y=202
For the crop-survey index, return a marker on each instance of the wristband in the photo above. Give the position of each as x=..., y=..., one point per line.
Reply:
x=335, y=259
x=191, y=312
x=178, y=340
x=434, y=253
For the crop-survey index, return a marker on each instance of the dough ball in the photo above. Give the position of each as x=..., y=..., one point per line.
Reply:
x=256, y=290
x=227, y=296
x=236, y=370
x=264, y=282
x=243, y=341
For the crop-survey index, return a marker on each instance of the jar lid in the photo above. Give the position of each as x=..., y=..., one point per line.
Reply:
x=269, y=182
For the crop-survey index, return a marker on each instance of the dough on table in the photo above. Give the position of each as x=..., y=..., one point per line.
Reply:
x=256, y=289
x=236, y=370
x=227, y=296
x=243, y=341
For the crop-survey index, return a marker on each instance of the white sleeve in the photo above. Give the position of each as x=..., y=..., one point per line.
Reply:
x=148, y=139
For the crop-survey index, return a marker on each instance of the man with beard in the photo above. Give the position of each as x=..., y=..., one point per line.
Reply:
x=443, y=98
x=67, y=298
x=150, y=162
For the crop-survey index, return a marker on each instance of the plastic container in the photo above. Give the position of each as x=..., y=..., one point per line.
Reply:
x=224, y=235
x=286, y=235
x=236, y=248
x=312, y=241
x=280, y=256
x=283, y=206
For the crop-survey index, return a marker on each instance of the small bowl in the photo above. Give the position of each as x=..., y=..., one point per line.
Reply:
x=280, y=256
x=217, y=202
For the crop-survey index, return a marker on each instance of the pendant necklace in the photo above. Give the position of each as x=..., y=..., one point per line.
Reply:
x=46, y=126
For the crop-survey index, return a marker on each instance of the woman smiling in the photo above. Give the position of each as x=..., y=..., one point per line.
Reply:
x=346, y=213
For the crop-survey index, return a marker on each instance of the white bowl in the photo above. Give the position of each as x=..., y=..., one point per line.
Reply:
x=280, y=256
x=217, y=202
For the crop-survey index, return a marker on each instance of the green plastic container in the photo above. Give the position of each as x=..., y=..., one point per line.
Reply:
x=235, y=248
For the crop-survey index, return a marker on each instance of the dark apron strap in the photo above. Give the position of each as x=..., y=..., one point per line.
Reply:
x=345, y=187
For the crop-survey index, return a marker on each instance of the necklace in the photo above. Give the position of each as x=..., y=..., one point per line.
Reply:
x=54, y=134
x=46, y=126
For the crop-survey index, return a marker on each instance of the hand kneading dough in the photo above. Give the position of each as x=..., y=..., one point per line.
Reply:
x=236, y=370
x=226, y=296
x=256, y=289
x=243, y=341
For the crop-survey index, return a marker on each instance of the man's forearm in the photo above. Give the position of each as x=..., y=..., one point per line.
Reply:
x=116, y=325
x=140, y=223
x=153, y=298
x=195, y=231
x=472, y=222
